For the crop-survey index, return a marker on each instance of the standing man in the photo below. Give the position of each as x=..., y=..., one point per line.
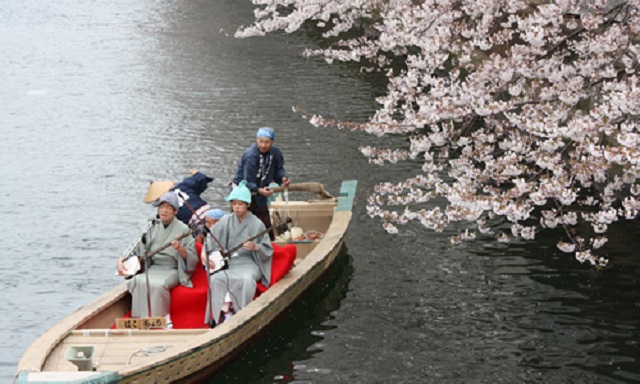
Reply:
x=262, y=164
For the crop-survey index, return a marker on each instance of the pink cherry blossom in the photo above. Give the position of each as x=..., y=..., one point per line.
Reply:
x=522, y=111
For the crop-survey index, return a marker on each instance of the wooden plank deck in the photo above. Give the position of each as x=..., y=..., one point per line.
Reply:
x=115, y=349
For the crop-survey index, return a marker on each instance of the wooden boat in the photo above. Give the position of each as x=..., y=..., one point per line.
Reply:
x=86, y=348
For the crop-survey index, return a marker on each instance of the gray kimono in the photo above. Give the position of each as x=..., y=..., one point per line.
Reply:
x=168, y=269
x=245, y=267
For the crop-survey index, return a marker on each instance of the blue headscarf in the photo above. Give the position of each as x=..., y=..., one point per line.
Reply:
x=266, y=132
x=215, y=213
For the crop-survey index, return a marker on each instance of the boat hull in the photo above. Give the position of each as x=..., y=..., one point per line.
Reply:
x=193, y=354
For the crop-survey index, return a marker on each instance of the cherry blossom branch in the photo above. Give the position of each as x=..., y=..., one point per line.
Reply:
x=525, y=114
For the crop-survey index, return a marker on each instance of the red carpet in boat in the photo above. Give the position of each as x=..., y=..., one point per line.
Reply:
x=283, y=258
x=188, y=305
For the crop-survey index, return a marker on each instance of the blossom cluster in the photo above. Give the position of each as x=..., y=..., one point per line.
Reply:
x=525, y=112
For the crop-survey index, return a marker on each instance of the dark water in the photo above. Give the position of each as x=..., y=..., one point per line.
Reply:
x=98, y=98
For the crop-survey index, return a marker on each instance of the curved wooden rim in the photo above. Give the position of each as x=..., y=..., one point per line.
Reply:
x=316, y=187
x=240, y=327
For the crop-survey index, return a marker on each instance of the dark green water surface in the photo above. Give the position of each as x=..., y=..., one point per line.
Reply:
x=98, y=98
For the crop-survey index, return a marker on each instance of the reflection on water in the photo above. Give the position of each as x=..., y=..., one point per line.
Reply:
x=297, y=336
x=561, y=319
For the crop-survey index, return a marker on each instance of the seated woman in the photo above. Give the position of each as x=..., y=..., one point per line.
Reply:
x=211, y=217
x=234, y=287
x=169, y=267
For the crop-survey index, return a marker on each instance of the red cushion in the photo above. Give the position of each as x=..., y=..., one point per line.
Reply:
x=281, y=263
x=188, y=305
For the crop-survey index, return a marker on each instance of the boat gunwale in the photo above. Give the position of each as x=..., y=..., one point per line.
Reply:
x=326, y=251
x=253, y=311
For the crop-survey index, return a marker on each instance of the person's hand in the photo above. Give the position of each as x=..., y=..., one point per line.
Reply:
x=203, y=259
x=213, y=256
x=212, y=264
x=178, y=247
x=266, y=191
x=193, y=172
x=250, y=246
x=285, y=182
x=122, y=271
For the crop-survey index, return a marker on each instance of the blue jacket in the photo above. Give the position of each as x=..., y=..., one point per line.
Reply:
x=189, y=190
x=248, y=170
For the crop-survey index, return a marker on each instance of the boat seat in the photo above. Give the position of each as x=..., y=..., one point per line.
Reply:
x=281, y=263
x=188, y=305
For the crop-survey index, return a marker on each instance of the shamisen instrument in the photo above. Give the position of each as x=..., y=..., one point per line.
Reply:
x=135, y=264
x=132, y=262
x=221, y=258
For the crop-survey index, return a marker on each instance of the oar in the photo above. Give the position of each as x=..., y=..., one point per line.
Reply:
x=286, y=201
x=316, y=187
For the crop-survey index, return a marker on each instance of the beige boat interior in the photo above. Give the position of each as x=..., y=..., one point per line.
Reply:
x=115, y=349
x=312, y=217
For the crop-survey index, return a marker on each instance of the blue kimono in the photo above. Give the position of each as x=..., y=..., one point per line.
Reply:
x=188, y=192
x=260, y=170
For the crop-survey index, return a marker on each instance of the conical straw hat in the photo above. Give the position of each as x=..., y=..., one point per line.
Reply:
x=157, y=189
